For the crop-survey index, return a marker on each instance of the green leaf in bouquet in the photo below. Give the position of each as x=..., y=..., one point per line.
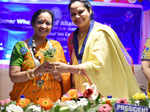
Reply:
x=97, y=101
x=26, y=108
x=31, y=110
x=144, y=102
x=88, y=106
x=56, y=109
x=93, y=109
x=132, y=101
x=50, y=52
x=64, y=109
x=79, y=109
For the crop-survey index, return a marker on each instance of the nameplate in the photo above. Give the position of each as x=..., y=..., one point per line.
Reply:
x=130, y=108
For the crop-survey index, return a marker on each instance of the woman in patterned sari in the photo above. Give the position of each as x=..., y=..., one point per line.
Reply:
x=29, y=58
x=97, y=55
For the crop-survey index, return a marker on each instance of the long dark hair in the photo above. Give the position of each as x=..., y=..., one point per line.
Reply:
x=86, y=3
x=38, y=12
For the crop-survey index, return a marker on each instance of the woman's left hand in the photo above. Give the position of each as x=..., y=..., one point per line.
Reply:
x=58, y=67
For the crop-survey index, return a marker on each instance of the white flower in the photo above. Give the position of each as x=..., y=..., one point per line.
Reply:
x=71, y=104
x=137, y=102
x=57, y=102
x=13, y=108
x=103, y=99
x=34, y=108
x=95, y=92
x=87, y=86
x=82, y=102
x=1, y=108
x=148, y=104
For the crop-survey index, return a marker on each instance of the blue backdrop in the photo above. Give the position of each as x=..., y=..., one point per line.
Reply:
x=15, y=24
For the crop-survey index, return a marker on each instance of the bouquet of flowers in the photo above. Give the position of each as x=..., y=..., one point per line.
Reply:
x=74, y=101
x=49, y=54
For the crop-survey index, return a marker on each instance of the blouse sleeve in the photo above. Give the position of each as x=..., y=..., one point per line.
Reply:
x=18, y=53
x=146, y=52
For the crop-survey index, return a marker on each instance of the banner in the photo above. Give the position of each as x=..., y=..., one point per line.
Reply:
x=130, y=108
x=15, y=24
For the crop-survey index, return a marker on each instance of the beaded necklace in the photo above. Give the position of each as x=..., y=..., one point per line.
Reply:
x=32, y=48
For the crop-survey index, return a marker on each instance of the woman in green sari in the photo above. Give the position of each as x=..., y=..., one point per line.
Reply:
x=29, y=58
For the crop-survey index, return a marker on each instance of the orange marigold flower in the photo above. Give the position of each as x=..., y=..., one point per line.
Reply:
x=108, y=102
x=73, y=93
x=23, y=102
x=45, y=103
x=65, y=98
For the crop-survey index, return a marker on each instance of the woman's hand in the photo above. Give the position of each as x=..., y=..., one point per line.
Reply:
x=63, y=68
x=47, y=67
x=44, y=68
x=58, y=67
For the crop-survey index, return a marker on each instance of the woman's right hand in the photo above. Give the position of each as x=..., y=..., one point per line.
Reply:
x=59, y=67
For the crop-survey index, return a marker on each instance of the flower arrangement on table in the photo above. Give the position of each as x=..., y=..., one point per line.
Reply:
x=88, y=101
x=25, y=105
x=92, y=101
